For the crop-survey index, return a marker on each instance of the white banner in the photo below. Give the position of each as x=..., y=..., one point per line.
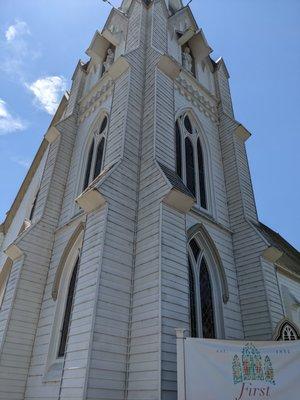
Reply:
x=225, y=370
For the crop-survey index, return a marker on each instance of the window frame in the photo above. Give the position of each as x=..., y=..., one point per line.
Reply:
x=286, y=323
x=54, y=364
x=194, y=137
x=94, y=139
x=216, y=290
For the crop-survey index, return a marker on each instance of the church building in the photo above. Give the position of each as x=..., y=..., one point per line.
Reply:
x=137, y=217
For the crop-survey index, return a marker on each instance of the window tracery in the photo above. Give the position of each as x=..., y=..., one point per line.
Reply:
x=287, y=332
x=202, y=307
x=190, y=165
x=95, y=159
x=63, y=294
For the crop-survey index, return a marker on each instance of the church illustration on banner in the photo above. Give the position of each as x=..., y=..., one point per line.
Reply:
x=252, y=367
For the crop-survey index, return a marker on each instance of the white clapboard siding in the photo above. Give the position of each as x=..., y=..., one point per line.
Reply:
x=247, y=244
x=132, y=290
x=273, y=292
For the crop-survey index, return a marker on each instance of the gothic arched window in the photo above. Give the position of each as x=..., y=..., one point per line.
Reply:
x=95, y=158
x=33, y=207
x=202, y=307
x=287, y=332
x=68, y=310
x=63, y=294
x=190, y=164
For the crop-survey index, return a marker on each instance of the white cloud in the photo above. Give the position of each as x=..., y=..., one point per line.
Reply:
x=8, y=123
x=16, y=53
x=21, y=161
x=48, y=92
x=20, y=28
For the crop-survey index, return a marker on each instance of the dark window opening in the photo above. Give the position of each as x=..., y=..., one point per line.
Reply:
x=103, y=125
x=190, y=166
x=99, y=158
x=68, y=311
x=207, y=308
x=195, y=248
x=88, y=167
x=193, y=315
x=202, y=190
x=188, y=124
x=33, y=207
x=178, y=150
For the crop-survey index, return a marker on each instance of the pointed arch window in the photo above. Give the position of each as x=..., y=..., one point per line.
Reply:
x=190, y=163
x=63, y=294
x=95, y=158
x=68, y=310
x=287, y=332
x=203, y=294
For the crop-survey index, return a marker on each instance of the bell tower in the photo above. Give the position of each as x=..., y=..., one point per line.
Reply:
x=144, y=221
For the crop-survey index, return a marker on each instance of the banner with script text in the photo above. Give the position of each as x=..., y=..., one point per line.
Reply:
x=225, y=370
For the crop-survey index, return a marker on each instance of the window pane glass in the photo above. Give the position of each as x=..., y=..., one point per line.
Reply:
x=88, y=167
x=178, y=150
x=288, y=333
x=33, y=207
x=68, y=310
x=190, y=166
x=195, y=248
x=188, y=124
x=193, y=318
x=202, y=190
x=99, y=158
x=207, y=308
x=103, y=125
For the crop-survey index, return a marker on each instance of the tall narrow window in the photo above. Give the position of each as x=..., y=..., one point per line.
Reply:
x=193, y=315
x=178, y=150
x=201, y=175
x=207, y=308
x=202, y=307
x=33, y=207
x=99, y=158
x=96, y=152
x=89, y=166
x=190, y=165
x=68, y=311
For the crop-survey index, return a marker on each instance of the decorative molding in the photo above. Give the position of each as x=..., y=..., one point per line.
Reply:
x=13, y=252
x=179, y=201
x=52, y=134
x=90, y=200
x=169, y=66
x=100, y=92
x=188, y=87
x=103, y=89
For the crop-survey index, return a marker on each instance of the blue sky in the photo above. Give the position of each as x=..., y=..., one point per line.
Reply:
x=41, y=42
